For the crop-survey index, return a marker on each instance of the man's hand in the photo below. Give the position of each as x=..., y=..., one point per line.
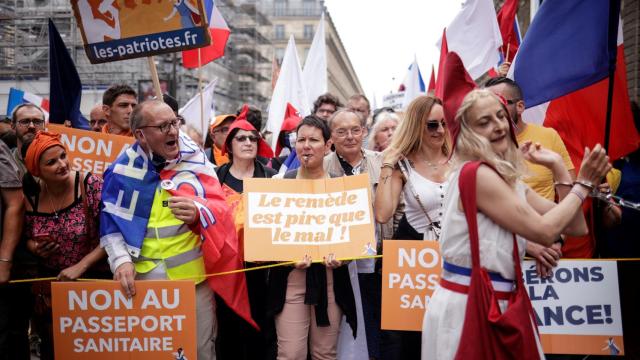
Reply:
x=184, y=209
x=125, y=273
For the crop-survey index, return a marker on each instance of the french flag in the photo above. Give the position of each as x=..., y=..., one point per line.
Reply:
x=17, y=97
x=510, y=31
x=562, y=67
x=219, y=32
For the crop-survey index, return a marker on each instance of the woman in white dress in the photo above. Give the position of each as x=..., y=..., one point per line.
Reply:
x=505, y=206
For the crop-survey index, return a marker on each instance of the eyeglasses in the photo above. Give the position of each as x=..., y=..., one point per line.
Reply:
x=433, y=125
x=224, y=130
x=343, y=132
x=27, y=122
x=166, y=127
x=243, y=138
x=512, y=101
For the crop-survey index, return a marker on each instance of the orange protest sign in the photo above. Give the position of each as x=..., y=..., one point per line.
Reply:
x=286, y=219
x=95, y=320
x=410, y=273
x=91, y=151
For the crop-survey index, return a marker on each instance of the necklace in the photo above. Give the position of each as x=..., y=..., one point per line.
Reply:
x=434, y=166
x=55, y=208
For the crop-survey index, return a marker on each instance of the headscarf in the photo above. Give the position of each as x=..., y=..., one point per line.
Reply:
x=457, y=83
x=290, y=123
x=241, y=123
x=41, y=142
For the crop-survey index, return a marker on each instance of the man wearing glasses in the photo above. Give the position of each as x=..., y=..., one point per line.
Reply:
x=97, y=118
x=27, y=119
x=219, y=131
x=169, y=248
x=348, y=129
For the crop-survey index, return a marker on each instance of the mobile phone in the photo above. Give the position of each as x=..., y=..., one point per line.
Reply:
x=42, y=237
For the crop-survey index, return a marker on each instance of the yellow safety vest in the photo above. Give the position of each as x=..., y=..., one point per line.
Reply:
x=170, y=241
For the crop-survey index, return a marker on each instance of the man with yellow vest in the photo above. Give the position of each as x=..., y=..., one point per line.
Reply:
x=164, y=212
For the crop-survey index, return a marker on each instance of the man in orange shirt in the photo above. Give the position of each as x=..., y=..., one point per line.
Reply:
x=118, y=103
x=218, y=132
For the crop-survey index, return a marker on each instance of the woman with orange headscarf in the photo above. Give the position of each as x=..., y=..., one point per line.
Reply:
x=62, y=208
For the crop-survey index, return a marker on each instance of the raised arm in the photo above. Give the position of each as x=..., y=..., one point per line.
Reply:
x=500, y=203
x=388, y=189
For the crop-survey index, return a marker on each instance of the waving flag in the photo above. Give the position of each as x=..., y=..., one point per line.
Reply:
x=474, y=34
x=65, y=88
x=289, y=89
x=219, y=32
x=314, y=74
x=509, y=29
x=444, y=50
x=17, y=97
x=562, y=68
x=432, y=81
x=195, y=110
x=412, y=85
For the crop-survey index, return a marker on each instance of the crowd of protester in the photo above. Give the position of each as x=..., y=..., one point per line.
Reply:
x=51, y=214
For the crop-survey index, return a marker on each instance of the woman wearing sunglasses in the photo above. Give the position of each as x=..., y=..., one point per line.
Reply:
x=415, y=167
x=236, y=338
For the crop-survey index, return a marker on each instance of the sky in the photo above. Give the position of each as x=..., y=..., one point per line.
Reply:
x=382, y=38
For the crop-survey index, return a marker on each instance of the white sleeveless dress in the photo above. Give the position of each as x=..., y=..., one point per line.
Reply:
x=442, y=324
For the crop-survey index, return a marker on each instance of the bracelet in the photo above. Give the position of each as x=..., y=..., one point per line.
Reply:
x=387, y=165
x=559, y=183
x=6, y=260
x=585, y=184
x=576, y=193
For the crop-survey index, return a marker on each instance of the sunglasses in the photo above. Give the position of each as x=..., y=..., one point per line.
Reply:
x=243, y=138
x=433, y=125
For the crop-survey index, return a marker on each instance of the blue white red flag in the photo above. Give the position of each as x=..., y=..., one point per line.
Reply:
x=132, y=180
x=562, y=68
x=17, y=97
x=219, y=32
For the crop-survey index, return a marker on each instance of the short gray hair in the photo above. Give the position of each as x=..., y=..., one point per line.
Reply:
x=137, y=115
x=362, y=119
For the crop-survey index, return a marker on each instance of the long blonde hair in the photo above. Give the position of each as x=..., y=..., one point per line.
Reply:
x=407, y=138
x=471, y=146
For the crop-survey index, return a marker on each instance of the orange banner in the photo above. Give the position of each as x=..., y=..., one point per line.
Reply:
x=410, y=274
x=95, y=320
x=286, y=219
x=91, y=151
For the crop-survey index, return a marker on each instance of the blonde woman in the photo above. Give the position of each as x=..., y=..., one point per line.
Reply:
x=415, y=166
x=505, y=206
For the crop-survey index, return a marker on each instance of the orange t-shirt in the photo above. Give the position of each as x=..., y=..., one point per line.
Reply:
x=107, y=130
x=218, y=157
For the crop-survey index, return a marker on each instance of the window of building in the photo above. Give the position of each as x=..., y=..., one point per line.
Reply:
x=279, y=55
x=280, y=7
x=279, y=31
x=244, y=87
x=308, y=31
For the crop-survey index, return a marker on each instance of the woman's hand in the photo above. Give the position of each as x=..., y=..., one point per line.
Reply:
x=72, y=272
x=331, y=262
x=391, y=156
x=305, y=263
x=43, y=247
x=595, y=165
x=546, y=257
x=536, y=154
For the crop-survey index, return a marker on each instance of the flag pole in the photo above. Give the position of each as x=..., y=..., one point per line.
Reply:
x=154, y=77
x=200, y=90
x=614, y=16
x=506, y=58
